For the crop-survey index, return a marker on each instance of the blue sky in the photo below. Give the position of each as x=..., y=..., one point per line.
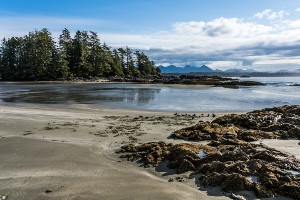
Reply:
x=259, y=34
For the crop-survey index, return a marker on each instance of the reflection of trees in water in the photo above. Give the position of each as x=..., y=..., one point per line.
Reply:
x=140, y=95
x=82, y=94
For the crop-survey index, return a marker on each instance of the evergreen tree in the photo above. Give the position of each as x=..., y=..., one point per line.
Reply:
x=37, y=57
x=95, y=56
x=107, y=60
x=64, y=51
x=117, y=65
x=122, y=52
x=10, y=58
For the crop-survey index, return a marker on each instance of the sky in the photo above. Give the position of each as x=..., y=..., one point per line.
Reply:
x=248, y=34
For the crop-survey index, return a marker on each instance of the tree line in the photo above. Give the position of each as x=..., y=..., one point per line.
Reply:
x=37, y=56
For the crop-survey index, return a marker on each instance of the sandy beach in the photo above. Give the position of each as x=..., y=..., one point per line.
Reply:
x=51, y=153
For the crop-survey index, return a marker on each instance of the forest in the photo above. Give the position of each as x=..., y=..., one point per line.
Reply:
x=38, y=56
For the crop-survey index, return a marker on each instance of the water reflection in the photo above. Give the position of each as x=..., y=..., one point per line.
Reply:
x=78, y=93
x=150, y=97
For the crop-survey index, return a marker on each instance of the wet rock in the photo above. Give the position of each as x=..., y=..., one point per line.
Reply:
x=189, y=80
x=230, y=161
x=228, y=182
x=214, y=166
x=235, y=197
x=261, y=191
x=185, y=166
x=291, y=190
x=265, y=156
x=254, y=135
x=235, y=182
x=227, y=164
x=179, y=179
x=206, y=131
x=281, y=122
x=48, y=191
x=179, y=155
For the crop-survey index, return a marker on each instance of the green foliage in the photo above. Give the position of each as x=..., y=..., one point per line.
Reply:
x=36, y=56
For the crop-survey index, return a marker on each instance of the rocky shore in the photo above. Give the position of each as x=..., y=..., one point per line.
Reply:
x=189, y=80
x=231, y=159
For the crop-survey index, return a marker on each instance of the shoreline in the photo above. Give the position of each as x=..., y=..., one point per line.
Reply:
x=72, y=154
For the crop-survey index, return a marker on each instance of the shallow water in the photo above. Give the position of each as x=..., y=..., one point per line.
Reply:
x=153, y=97
x=293, y=172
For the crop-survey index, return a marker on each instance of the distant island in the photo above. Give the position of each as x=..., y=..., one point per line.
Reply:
x=206, y=70
x=38, y=57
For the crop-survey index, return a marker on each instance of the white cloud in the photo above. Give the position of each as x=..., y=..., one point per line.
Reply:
x=233, y=27
x=271, y=15
x=292, y=23
x=297, y=9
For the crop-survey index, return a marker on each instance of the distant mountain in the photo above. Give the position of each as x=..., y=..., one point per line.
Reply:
x=205, y=69
x=202, y=69
x=186, y=69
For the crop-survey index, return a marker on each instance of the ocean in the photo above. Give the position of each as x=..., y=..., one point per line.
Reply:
x=171, y=98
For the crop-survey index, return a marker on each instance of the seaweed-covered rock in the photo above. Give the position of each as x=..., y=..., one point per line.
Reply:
x=226, y=163
x=282, y=122
x=228, y=182
x=261, y=191
x=207, y=131
x=214, y=166
x=291, y=190
x=185, y=166
x=229, y=160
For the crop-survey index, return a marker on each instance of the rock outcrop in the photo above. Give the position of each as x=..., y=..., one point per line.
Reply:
x=189, y=80
x=281, y=123
x=229, y=160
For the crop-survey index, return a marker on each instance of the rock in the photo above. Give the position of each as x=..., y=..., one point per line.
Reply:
x=291, y=190
x=228, y=182
x=264, y=155
x=230, y=161
x=282, y=121
x=185, y=166
x=235, y=182
x=179, y=179
x=261, y=191
x=235, y=197
x=48, y=191
x=206, y=131
x=214, y=166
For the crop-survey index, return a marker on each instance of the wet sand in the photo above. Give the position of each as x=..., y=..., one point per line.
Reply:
x=51, y=153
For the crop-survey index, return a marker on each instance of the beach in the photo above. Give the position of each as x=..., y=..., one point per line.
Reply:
x=52, y=152
x=70, y=154
x=148, y=99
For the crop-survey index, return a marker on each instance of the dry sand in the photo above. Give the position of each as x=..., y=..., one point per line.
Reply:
x=71, y=154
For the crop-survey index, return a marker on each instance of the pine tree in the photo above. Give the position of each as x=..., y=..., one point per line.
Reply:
x=37, y=57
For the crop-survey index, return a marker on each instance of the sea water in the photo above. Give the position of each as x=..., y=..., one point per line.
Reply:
x=173, y=98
